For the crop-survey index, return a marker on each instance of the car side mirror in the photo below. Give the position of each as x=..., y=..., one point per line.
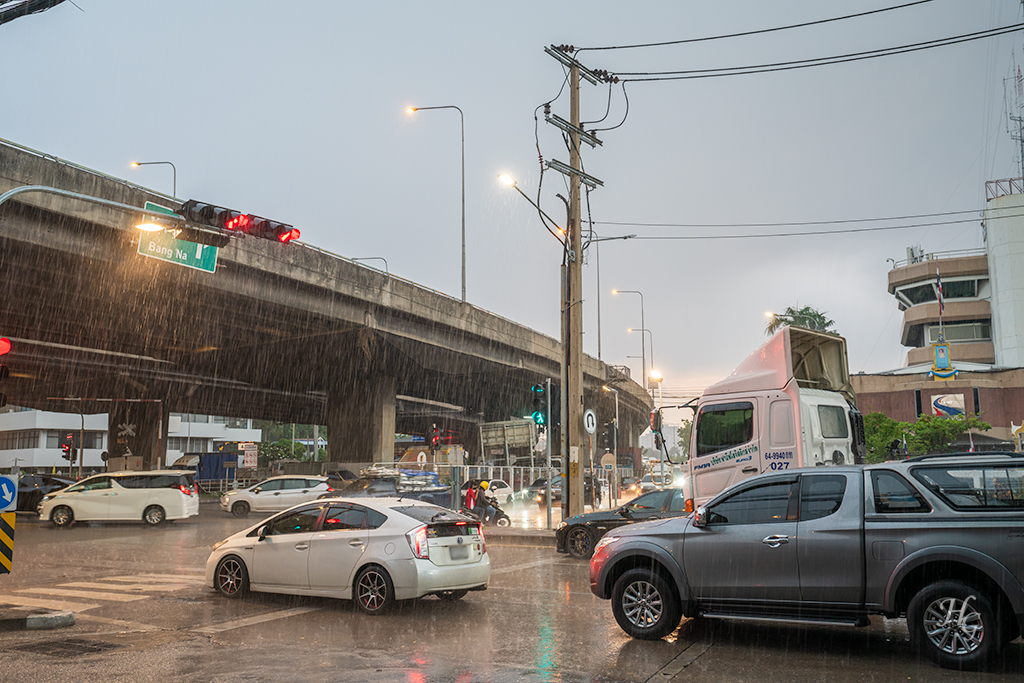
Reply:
x=257, y=489
x=263, y=531
x=700, y=517
x=624, y=511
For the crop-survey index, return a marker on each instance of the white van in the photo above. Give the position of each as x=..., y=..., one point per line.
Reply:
x=151, y=497
x=789, y=404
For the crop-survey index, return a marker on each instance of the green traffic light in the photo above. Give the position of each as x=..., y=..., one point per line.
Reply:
x=538, y=417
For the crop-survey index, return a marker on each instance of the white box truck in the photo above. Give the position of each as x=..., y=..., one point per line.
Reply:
x=789, y=404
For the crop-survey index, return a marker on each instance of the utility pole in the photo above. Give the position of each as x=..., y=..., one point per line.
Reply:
x=575, y=355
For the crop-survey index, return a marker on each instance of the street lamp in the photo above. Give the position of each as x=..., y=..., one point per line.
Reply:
x=462, y=124
x=174, y=191
x=651, y=340
x=511, y=182
x=656, y=376
x=643, y=364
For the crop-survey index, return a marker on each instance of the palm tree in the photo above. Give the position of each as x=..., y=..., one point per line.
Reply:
x=808, y=317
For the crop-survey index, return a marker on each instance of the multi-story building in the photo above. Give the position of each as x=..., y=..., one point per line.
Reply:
x=982, y=322
x=30, y=440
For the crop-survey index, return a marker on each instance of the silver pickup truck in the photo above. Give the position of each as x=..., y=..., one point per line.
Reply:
x=937, y=539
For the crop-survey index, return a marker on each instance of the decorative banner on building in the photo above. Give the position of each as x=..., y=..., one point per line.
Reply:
x=948, y=405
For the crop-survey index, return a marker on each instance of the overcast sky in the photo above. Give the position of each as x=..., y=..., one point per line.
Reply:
x=296, y=111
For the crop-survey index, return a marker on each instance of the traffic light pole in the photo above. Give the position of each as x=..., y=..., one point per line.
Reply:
x=547, y=473
x=574, y=369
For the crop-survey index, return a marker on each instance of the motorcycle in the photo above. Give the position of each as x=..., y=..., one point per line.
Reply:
x=501, y=519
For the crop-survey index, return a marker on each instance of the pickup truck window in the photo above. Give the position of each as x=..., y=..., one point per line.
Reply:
x=967, y=487
x=820, y=495
x=894, y=494
x=756, y=505
x=724, y=426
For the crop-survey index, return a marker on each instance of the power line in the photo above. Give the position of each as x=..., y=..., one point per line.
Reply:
x=801, y=234
x=819, y=61
x=752, y=33
x=775, y=225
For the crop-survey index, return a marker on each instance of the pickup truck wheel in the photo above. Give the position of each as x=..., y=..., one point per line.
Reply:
x=954, y=625
x=645, y=605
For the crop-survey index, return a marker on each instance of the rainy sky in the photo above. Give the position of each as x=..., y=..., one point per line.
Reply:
x=296, y=111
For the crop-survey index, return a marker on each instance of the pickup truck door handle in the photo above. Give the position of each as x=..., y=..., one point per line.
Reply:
x=749, y=470
x=775, y=541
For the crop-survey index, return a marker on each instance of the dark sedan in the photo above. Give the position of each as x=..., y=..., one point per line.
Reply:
x=32, y=488
x=578, y=535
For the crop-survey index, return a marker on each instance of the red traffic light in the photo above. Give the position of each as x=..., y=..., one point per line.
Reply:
x=5, y=346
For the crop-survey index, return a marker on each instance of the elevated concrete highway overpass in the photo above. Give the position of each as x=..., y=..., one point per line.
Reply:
x=286, y=332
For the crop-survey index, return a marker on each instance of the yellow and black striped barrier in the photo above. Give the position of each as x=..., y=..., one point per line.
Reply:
x=6, y=542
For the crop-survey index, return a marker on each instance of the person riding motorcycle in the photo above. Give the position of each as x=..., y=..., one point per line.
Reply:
x=485, y=511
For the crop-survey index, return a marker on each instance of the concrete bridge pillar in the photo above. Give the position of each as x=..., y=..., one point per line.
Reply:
x=361, y=420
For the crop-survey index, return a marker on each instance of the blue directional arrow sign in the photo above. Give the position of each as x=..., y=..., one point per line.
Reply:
x=8, y=493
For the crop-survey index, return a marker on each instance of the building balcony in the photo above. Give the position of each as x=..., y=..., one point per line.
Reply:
x=971, y=352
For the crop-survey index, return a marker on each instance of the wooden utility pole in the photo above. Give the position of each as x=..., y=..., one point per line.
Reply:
x=574, y=357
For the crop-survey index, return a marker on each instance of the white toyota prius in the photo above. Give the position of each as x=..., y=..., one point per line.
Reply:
x=373, y=551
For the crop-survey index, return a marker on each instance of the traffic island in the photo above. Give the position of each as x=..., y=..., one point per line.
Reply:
x=13, y=618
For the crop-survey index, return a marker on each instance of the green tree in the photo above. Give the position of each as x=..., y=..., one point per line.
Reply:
x=808, y=317
x=684, y=436
x=935, y=434
x=930, y=434
x=879, y=432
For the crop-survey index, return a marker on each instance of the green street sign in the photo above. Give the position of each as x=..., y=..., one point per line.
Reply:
x=162, y=245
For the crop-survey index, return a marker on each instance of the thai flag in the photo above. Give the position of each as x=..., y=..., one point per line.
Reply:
x=938, y=286
x=969, y=436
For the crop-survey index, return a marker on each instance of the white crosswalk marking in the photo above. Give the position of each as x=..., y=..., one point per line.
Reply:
x=155, y=588
x=94, y=595
x=59, y=605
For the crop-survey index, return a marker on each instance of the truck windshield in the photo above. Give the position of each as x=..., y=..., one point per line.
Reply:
x=724, y=426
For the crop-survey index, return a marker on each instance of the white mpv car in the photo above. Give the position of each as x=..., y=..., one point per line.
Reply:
x=151, y=497
x=276, y=493
x=370, y=550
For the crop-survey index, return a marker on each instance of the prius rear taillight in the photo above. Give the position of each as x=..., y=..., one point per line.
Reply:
x=418, y=542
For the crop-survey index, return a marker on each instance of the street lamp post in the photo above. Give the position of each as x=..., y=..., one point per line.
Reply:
x=642, y=330
x=643, y=363
x=462, y=124
x=656, y=376
x=174, y=190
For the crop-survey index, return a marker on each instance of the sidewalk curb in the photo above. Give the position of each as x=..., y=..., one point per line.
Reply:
x=33, y=619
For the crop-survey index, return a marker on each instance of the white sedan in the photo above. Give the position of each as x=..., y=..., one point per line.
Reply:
x=370, y=550
x=276, y=493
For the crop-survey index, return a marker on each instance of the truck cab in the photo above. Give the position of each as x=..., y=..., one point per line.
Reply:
x=789, y=404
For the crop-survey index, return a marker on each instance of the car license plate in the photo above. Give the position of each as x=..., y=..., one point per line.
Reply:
x=458, y=552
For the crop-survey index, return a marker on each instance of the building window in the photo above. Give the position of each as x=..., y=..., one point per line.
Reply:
x=960, y=289
x=92, y=439
x=187, y=444
x=921, y=294
x=22, y=439
x=195, y=418
x=962, y=332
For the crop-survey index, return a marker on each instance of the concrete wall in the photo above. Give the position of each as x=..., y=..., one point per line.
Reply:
x=1004, y=222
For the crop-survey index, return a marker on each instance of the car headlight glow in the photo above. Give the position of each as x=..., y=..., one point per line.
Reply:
x=219, y=543
x=561, y=525
x=607, y=540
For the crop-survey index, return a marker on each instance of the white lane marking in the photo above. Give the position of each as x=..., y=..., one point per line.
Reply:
x=184, y=577
x=93, y=595
x=129, y=586
x=58, y=605
x=239, y=623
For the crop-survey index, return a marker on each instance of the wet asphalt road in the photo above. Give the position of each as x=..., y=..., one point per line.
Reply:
x=537, y=621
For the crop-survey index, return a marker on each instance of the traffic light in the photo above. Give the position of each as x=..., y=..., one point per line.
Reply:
x=659, y=441
x=435, y=437
x=540, y=404
x=656, y=421
x=5, y=348
x=208, y=215
x=606, y=436
x=68, y=448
